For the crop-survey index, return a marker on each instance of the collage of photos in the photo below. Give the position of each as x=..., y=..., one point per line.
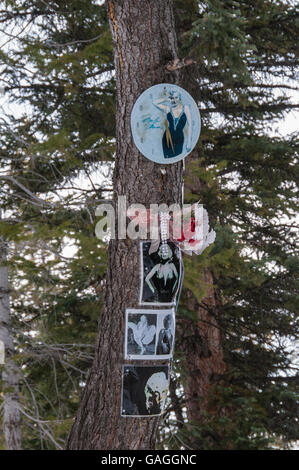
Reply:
x=150, y=332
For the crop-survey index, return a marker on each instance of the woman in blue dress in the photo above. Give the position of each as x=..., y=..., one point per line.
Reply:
x=177, y=115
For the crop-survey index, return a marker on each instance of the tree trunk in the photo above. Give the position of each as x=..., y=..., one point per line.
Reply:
x=200, y=341
x=10, y=385
x=201, y=345
x=144, y=42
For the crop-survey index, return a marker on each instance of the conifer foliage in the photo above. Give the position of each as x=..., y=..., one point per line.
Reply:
x=57, y=134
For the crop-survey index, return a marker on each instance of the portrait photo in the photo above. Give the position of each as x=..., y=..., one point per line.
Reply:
x=160, y=274
x=165, y=334
x=144, y=390
x=165, y=123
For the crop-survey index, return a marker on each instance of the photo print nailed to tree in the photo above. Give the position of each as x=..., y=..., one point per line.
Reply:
x=165, y=123
x=144, y=390
x=149, y=334
x=161, y=273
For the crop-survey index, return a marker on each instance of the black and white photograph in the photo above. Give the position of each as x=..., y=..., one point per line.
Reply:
x=160, y=274
x=141, y=332
x=165, y=335
x=149, y=334
x=144, y=390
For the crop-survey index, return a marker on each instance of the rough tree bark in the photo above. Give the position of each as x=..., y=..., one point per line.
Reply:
x=201, y=345
x=10, y=383
x=200, y=341
x=144, y=42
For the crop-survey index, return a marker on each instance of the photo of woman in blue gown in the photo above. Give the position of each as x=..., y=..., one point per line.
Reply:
x=177, y=116
x=165, y=123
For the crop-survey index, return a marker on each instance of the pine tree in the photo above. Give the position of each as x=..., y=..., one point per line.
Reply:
x=48, y=291
x=246, y=178
x=10, y=377
x=243, y=171
x=99, y=424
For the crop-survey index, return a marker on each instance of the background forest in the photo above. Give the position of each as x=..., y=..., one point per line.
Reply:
x=57, y=137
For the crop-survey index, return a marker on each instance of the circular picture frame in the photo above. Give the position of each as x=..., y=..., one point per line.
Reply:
x=165, y=123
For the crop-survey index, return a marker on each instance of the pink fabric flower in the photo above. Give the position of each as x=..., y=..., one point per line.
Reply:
x=188, y=241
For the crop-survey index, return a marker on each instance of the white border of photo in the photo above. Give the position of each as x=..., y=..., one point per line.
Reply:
x=160, y=314
x=141, y=275
x=167, y=366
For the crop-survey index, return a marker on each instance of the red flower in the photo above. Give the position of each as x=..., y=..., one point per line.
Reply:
x=188, y=232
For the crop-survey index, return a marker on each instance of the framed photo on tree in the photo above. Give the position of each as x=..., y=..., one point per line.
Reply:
x=149, y=334
x=144, y=390
x=160, y=273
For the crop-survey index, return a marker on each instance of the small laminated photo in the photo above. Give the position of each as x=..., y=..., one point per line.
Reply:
x=161, y=273
x=149, y=334
x=144, y=390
